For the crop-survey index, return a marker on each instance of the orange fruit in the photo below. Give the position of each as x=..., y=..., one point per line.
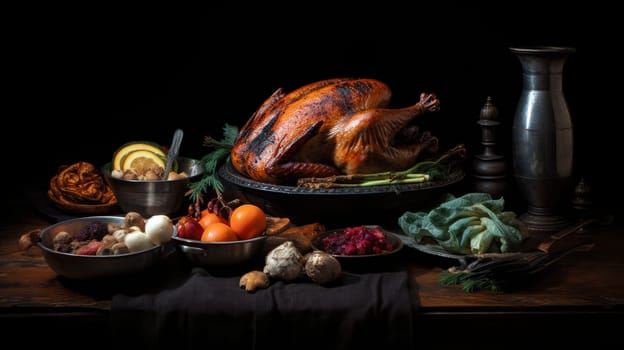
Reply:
x=209, y=218
x=218, y=232
x=248, y=221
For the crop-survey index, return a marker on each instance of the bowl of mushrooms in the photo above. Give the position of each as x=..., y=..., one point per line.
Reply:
x=96, y=247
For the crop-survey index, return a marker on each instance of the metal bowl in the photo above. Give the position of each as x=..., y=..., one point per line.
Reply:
x=93, y=266
x=155, y=197
x=215, y=254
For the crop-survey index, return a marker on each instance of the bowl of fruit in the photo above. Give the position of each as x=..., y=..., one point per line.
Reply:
x=222, y=237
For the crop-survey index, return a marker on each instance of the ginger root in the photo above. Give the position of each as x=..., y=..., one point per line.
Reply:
x=253, y=280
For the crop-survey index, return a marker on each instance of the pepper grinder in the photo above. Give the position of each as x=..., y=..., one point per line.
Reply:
x=489, y=169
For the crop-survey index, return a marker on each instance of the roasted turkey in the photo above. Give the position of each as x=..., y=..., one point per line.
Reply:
x=330, y=127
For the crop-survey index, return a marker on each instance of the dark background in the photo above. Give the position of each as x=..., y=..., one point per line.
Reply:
x=84, y=81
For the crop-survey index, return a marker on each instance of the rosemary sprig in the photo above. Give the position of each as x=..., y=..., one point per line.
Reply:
x=221, y=152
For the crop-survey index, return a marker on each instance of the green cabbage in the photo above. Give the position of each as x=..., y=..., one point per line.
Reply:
x=471, y=224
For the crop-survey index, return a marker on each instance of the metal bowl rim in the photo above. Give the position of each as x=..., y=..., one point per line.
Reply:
x=106, y=171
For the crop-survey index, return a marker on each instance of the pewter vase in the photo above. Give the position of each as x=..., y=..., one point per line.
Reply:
x=542, y=137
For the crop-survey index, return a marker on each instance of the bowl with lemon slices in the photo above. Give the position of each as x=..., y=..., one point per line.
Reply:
x=135, y=176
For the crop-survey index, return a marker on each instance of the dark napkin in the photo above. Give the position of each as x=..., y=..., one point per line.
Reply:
x=198, y=309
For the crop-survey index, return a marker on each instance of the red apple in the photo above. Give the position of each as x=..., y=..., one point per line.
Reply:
x=189, y=228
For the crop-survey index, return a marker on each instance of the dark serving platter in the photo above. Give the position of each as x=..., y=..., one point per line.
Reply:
x=337, y=206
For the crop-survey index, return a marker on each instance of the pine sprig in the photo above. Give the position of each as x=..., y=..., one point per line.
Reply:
x=221, y=152
x=229, y=136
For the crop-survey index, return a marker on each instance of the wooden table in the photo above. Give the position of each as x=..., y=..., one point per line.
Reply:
x=583, y=294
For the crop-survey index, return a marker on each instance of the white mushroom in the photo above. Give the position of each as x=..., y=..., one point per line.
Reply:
x=137, y=241
x=159, y=229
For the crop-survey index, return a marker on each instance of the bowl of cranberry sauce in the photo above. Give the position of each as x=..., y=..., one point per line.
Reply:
x=358, y=242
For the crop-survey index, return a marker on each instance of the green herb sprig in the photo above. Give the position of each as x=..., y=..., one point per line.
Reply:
x=221, y=152
x=420, y=172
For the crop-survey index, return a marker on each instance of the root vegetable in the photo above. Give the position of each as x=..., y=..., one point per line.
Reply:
x=253, y=280
x=321, y=267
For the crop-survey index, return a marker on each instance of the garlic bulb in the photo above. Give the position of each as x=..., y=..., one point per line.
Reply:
x=284, y=262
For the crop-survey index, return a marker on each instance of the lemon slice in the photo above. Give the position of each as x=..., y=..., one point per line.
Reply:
x=122, y=152
x=142, y=160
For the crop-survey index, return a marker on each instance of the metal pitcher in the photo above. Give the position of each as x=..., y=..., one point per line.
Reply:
x=542, y=137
